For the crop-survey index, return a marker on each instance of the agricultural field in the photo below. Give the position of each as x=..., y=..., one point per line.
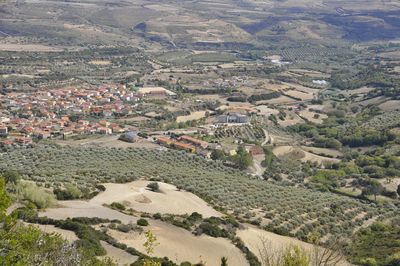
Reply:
x=313, y=157
x=244, y=195
x=193, y=116
x=250, y=133
x=312, y=116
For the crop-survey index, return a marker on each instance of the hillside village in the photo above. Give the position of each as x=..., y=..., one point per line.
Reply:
x=200, y=133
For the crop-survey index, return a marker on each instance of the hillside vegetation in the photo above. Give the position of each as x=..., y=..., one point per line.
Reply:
x=292, y=210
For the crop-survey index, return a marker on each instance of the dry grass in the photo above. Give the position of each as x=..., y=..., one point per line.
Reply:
x=390, y=105
x=304, y=96
x=280, y=100
x=320, y=151
x=193, y=116
x=310, y=116
x=291, y=119
x=80, y=208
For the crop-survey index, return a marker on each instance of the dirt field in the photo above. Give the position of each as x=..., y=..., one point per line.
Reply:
x=133, y=195
x=254, y=238
x=359, y=91
x=13, y=47
x=392, y=186
x=81, y=208
x=307, y=156
x=280, y=100
x=300, y=88
x=320, y=151
x=299, y=94
x=193, y=116
x=390, y=105
x=181, y=245
x=310, y=116
x=169, y=200
x=372, y=101
x=176, y=243
x=310, y=73
x=291, y=119
x=265, y=110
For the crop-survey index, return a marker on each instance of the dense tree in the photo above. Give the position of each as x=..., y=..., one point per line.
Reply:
x=243, y=158
x=218, y=154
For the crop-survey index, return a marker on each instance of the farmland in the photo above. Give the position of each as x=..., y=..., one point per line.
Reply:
x=86, y=167
x=204, y=128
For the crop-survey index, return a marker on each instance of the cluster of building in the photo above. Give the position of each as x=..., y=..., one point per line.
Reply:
x=69, y=111
x=185, y=143
x=233, y=118
x=203, y=148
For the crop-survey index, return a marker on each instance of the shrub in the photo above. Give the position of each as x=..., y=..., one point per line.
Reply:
x=142, y=222
x=69, y=193
x=118, y=206
x=153, y=186
x=212, y=230
x=38, y=196
x=157, y=216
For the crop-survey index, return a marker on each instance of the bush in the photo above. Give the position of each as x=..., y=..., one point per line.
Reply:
x=142, y=222
x=38, y=196
x=118, y=206
x=157, y=216
x=69, y=193
x=212, y=230
x=153, y=186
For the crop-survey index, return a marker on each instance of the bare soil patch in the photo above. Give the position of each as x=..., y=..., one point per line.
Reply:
x=193, y=116
x=313, y=116
x=307, y=156
x=181, y=245
x=390, y=105
x=168, y=200
x=14, y=47
x=100, y=62
x=254, y=238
